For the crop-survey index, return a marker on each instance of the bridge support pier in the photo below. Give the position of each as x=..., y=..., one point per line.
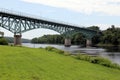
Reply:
x=88, y=43
x=67, y=42
x=17, y=39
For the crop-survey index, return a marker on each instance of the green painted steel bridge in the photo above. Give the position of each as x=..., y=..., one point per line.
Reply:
x=19, y=23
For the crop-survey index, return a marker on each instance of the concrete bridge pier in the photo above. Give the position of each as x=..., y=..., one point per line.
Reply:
x=17, y=39
x=2, y=34
x=67, y=42
x=88, y=43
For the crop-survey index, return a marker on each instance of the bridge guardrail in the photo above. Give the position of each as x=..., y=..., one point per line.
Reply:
x=36, y=17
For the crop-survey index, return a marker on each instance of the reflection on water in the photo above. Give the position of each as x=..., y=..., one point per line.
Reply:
x=112, y=48
x=112, y=53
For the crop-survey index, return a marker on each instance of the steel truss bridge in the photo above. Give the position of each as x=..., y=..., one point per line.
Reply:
x=20, y=23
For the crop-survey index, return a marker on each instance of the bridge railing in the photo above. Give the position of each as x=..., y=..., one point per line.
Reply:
x=35, y=17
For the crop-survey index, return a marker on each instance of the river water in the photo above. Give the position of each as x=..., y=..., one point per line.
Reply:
x=112, y=53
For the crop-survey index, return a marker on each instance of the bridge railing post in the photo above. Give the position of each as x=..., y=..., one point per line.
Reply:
x=17, y=40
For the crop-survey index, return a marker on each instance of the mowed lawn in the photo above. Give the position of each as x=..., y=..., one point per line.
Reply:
x=20, y=63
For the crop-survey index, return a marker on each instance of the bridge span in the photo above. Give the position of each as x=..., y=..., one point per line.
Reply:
x=20, y=23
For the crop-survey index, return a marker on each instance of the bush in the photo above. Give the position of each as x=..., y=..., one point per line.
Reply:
x=57, y=50
x=54, y=50
x=3, y=41
x=49, y=48
x=97, y=60
x=83, y=57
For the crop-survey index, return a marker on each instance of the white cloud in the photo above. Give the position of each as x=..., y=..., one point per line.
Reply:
x=109, y=7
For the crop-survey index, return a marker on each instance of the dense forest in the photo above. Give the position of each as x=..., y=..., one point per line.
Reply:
x=58, y=39
x=110, y=36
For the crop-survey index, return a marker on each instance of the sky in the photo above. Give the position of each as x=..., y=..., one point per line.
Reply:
x=102, y=13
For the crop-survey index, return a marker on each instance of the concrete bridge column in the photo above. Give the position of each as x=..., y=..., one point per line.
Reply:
x=17, y=39
x=67, y=42
x=88, y=43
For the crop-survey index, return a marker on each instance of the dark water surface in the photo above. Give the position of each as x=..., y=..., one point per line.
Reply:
x=112, y=53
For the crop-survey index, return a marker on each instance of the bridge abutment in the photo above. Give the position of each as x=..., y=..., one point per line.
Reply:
x=67, y=42
x=88, y=43
x=17, y=39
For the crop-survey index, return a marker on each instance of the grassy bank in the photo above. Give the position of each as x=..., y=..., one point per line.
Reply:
x=20, y=63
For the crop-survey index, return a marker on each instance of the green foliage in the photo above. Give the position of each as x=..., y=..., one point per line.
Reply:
x=3, y=41
x=111, y=36
x=49, y=48
x=34, y=40
x=96, y=38
x=50, y=39
x=83, y=57
x=97, y=60
x=54, y=50
x=96, y=28
x=78, y=39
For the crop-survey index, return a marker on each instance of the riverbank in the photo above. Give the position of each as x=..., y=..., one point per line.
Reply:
x=21, y=63
x=112, y=53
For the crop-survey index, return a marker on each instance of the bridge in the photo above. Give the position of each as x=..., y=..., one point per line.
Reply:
x=18, y=23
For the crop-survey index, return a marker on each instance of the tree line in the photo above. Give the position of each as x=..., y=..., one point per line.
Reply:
x=58, y=39
x=49, y=39
x=108, y=36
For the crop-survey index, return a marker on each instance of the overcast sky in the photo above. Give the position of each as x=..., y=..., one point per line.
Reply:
x=102, y=13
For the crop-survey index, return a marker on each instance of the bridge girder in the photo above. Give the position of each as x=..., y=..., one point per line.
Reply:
x=20, y=24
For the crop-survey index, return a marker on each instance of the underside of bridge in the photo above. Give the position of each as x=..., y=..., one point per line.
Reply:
x=19, y=24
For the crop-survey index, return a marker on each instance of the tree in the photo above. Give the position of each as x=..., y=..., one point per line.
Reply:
x=78, y=39
x=96, y=28
x=111, y=36
x=50, y=39
x=96, y=38
x=3, y=41
x=34, y=40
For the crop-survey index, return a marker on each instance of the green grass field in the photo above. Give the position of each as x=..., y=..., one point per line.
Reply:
x=20, y=63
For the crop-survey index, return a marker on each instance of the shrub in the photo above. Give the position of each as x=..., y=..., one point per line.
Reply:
x=3, y=41
x=98, y=60
x=83, y=57
x=49, y=48
x=57, y=50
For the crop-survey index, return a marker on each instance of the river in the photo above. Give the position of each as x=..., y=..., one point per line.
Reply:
x=112, y=53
